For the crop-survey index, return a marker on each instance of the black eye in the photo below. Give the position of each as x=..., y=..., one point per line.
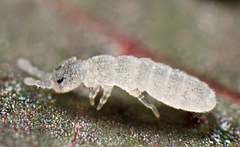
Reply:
x=59, y=81
x=58, y=67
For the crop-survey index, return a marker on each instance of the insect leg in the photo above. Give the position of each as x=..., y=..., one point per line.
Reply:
x=145, y=101
x=93, y=94
x=106, y=93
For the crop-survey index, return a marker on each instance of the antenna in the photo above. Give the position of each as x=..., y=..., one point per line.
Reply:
x=30, y=81
x=26, y=65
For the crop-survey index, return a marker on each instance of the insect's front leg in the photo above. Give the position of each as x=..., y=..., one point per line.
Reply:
x=93, y=94
x=145, y=101
x=106, y=93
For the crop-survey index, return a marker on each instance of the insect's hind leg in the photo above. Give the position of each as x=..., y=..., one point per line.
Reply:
x=145, y=101
x=106, y=93
x=93, y=94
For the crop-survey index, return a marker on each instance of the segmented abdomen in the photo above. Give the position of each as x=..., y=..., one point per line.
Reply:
x=171, y=86
x=178, y=89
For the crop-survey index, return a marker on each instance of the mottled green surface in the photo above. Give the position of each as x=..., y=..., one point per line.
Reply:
x=33, y=117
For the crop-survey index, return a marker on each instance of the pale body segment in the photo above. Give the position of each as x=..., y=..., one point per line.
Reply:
x=135, y=75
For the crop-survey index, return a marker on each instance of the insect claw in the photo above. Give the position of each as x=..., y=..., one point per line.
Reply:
x=155, y=111
x=93, y=94
x=99, y=106
x=92, y=102
x=103, y=99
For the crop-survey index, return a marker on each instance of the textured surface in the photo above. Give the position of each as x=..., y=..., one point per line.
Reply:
x=199, y=37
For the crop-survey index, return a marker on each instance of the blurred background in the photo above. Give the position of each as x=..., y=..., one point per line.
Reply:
x=200, y=37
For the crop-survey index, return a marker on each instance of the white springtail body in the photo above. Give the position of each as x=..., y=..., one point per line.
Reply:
x=135, y=75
